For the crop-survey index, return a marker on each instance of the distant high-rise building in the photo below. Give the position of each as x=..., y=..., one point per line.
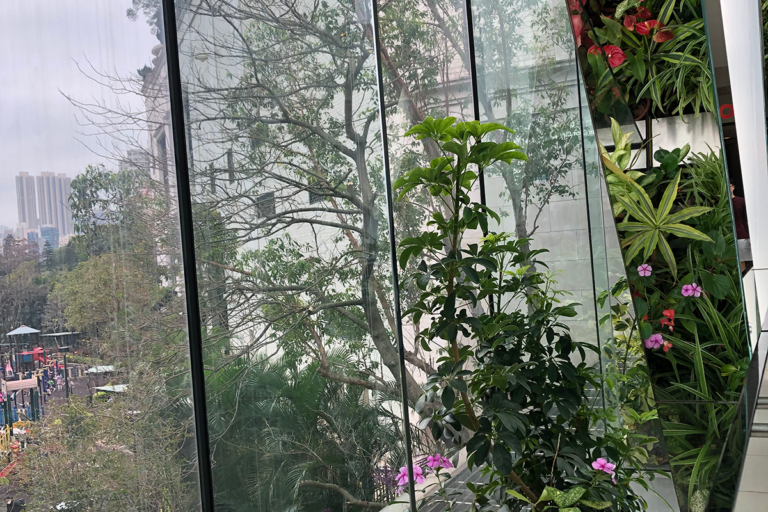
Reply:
x=53, y=193
x=50, y=234
x=33, y=237
x=135, y=159
x=25, y=201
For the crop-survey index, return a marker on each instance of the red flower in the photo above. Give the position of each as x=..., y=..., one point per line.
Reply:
x=644, y=28
x=575, y=5
x=643, y=12
x=663, y=34
x=669, y=320
x=645, y=318
x=636, y=294
x=629, y=21
x=578, y=27
x=667, y=346
x=615, y=55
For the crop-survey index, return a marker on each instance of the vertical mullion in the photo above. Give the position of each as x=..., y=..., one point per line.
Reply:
x=393, y=254
x=188, y=256
x=579, y=86
x=473, y=78
x=475, y=104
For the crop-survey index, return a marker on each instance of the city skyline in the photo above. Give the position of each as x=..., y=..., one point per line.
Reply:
x=53, y=193
x=58, y=63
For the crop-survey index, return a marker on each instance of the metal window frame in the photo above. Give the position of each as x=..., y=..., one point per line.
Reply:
x=178, y=123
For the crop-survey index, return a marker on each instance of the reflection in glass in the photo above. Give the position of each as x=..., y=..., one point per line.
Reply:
x=292, y=250
x=100, y=390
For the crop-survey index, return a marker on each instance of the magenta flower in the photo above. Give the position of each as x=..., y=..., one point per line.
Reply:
x=402, y=477
x=655, y=341
x=438, y=461
x=691, y=289
x=603, y=465
x=644, y=270
x=606, y=467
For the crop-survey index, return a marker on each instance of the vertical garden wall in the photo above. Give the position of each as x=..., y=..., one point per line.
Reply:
x=675, y=224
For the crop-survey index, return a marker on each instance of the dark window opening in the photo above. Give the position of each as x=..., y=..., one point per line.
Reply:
x=231, y=166
x=265, y=204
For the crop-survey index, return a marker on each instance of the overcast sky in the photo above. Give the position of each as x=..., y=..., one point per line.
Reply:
x=41, y=44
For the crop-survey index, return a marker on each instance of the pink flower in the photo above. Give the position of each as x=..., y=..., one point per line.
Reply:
x=438, y=461
x=644, y=270
x=402, y=477
x=606, y=467
x=603, y=465
x=655, y=341
x=691, y=289
x=667, y=345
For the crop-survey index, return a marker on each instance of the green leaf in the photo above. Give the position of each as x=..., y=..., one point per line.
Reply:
x=449, y=308
x=718, y=285
x=624, y=7
x=681, y=58
x=666, y=252
x=637, y=66
x=448, y=398
x=687, y=213
x=472, y=275
x=502, y=459
x=668, y=199
x=670, y=162
x=637, y=246
x=646, y=329
x=650, y=244
x=665, y=13
x=509, y=420
x=641, y=307
x=681, y=429
x=518, y=496
x=635, y=210
x=632, y=226
x=684, y=231
x=597, y=505
x=617, y=134
x=486, y=128
x=614, y=30
x=569, y=498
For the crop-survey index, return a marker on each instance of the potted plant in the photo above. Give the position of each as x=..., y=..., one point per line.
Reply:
x=511, y=386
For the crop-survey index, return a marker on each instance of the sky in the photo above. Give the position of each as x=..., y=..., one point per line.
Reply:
x=41, y=44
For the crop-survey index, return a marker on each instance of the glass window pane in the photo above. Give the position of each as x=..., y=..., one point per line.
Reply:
x=93, y=328
x=303, y=387
x=426, y=61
